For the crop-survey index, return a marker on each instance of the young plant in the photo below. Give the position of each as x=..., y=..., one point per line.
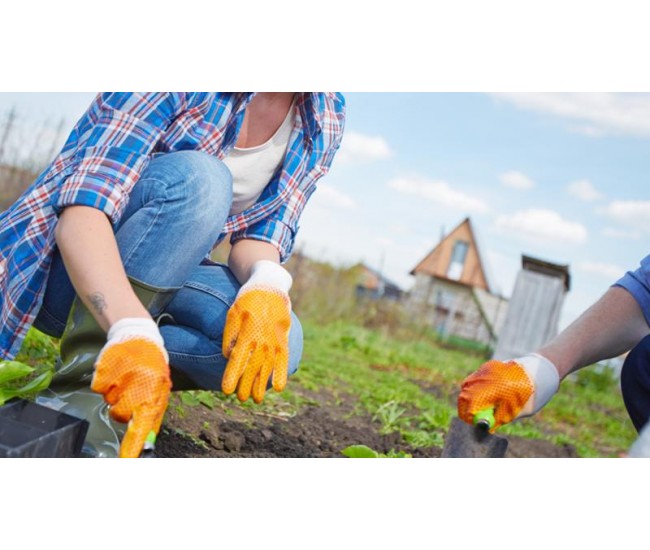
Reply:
x=388, y=414
x=363, y=451
x=23, y=381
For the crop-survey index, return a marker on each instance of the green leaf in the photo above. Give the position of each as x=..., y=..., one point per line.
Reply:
x=206, y=398
x=190, y=399
x=39, y=383
x=397, y=454
x=359, y=451
x=33, y=386
x=12, y=370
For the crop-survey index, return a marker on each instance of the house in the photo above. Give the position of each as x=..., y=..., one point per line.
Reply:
x=372, y=284
x=452, y=292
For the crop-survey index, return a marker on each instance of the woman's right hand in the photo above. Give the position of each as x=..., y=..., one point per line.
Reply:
x=132, y=373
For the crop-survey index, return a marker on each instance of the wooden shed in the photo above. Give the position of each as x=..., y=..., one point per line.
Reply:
x=535, y=307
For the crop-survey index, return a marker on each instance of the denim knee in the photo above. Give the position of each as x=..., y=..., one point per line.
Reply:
x=196, y=178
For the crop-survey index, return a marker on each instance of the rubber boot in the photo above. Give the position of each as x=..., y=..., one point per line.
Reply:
x=70, y=392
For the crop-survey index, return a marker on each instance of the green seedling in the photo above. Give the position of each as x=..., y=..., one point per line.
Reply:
x=22, y=381
x=388, y=414
x=190, y=399
x=363, y=451
x=194, y=398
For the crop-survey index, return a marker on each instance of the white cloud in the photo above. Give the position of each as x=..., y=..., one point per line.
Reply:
x=591, y=113
x=326, y=196
x=358, y=148
x=634, y=214
x=620, y=233
x=608, y=271
x=516, y=180
x=542, y=226
x=584, y=190
x=439, y=192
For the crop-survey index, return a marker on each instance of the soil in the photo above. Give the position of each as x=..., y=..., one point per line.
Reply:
x=321, y=429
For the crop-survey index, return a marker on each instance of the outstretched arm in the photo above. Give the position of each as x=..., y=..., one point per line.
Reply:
x=610, y=327
x=521, y=387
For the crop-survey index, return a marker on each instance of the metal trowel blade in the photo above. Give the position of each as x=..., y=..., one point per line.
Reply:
x=465, y=441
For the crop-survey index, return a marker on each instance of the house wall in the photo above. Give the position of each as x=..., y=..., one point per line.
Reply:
x=448, y=307
x=437, y=263
x=495, y=308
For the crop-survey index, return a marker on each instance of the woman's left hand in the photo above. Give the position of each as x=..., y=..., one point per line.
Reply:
x=256, y=335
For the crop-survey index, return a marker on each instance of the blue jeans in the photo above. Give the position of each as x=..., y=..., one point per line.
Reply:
x=175, y=214
x=635, y=383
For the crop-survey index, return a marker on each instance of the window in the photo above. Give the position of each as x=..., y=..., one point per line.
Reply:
x=457, y=260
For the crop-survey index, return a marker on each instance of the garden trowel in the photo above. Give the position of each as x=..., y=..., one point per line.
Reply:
x=465, y=441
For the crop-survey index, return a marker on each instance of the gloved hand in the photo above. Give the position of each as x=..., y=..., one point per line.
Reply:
x=514, y=389
x=256, y=335
x=132, y=372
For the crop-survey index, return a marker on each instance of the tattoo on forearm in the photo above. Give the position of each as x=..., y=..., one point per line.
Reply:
x=98, y=302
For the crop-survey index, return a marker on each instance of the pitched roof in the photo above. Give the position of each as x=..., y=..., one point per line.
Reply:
x=438, y=261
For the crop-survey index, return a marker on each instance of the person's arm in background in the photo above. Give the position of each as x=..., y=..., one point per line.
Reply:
x=610, y=327
x=522, y=386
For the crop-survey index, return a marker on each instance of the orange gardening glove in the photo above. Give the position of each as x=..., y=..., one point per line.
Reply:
x=512, y=389
x=256, y=335
x=132, y=373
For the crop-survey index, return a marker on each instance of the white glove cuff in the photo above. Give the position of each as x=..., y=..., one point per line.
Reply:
x=131, y=327
x=545, y=378
x=268, y=273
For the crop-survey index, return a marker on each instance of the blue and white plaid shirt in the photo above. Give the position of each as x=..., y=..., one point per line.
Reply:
x=107, y=151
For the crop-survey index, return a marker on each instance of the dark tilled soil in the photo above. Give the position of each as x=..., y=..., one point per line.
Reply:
x=321, y=429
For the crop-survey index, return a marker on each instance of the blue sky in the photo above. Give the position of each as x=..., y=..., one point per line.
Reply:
x=556, y=176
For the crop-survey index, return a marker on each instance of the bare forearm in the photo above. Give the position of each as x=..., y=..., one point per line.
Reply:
x=612, y=326
x=91, y=257
x=246, y=252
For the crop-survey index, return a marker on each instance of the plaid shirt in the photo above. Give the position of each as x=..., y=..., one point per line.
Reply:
x=107, y=151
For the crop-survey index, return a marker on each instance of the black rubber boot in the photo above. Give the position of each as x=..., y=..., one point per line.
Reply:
x=70, y=391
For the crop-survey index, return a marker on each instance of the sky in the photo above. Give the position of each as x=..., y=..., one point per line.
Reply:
x=560, y=177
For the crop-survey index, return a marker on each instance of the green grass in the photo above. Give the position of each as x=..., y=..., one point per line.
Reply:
x=409, y=386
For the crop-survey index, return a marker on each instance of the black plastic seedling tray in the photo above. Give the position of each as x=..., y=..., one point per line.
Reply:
x=29, y=430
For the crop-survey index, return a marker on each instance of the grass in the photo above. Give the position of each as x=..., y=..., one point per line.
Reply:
x=410, y=386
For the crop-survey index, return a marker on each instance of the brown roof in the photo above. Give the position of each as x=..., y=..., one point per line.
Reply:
x=437, y=262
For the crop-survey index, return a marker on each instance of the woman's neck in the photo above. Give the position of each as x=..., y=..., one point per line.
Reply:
x=264, y=115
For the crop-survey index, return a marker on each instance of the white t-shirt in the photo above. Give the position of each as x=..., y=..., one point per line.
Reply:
x=253, y=167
